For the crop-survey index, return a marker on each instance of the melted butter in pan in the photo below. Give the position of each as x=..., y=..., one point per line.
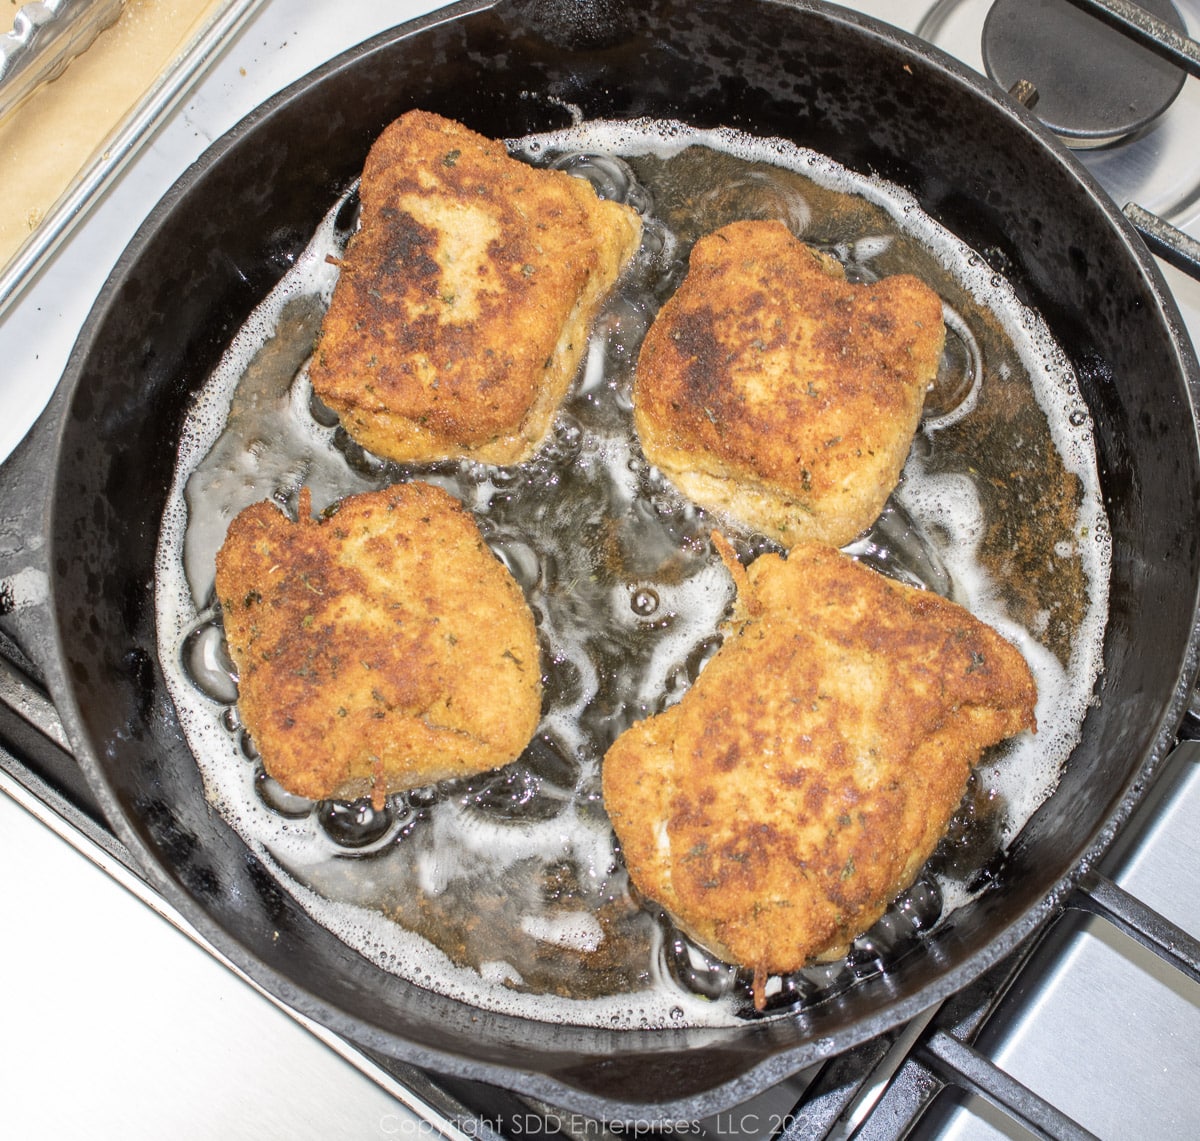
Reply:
x=506, y=890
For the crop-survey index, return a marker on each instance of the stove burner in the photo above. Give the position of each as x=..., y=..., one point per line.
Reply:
x=1094, y=84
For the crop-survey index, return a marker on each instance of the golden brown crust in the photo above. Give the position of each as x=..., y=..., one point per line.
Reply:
x=772, y=389
x=466, y=296
x=811, y=770
x=379, y=649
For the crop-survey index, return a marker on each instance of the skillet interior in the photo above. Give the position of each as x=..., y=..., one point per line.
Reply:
x=842, y=85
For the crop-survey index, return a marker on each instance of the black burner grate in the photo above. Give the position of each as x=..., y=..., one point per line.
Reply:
x=1095, y=84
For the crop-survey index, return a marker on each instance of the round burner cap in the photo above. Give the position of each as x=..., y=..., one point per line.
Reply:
x=1094, y=84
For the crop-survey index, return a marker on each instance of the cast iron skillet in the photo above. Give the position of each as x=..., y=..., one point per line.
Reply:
x=98, y=466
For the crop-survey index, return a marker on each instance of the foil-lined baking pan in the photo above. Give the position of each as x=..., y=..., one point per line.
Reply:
x=45, y=39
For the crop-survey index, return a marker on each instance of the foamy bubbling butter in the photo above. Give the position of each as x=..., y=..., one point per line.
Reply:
x=229, y=458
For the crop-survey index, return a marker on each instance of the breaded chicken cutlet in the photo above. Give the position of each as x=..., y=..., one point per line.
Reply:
x=808, y=774
x=771, y=389
x=381, y=648
x=466, y=296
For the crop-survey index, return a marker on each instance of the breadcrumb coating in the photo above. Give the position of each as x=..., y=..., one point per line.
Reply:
x=381, y=648
x=806, y=777
x=774, y=391
x=466, y=296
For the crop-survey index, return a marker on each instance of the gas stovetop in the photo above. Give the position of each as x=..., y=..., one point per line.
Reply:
x=115, y=1003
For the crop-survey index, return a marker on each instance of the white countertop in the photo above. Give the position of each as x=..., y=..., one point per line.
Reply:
x=117, y=1025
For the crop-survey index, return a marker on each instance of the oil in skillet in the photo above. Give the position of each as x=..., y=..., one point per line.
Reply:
x=629, y=598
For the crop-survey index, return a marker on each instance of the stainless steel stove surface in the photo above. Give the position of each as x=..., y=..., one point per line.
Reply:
x=120, y=1022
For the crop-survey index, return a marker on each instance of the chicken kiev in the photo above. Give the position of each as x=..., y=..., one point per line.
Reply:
x=381, y=648
x=806, y=777
x=466, y=297
x=771, y=389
